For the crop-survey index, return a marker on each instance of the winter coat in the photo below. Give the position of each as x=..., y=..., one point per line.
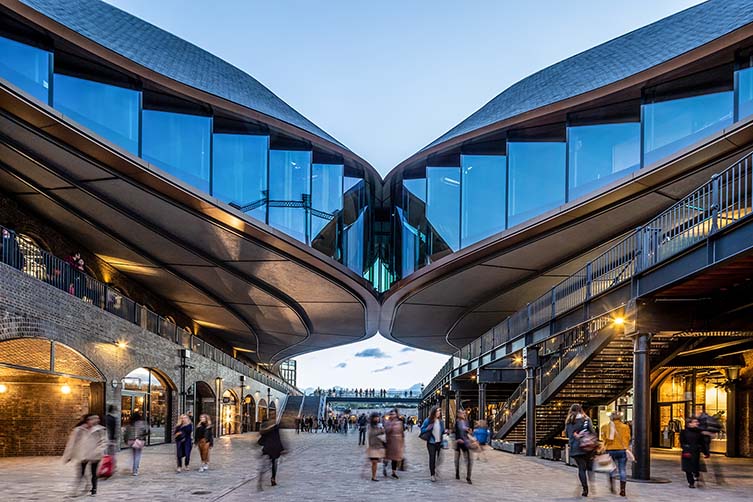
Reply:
x=271, y=442
x=204, y=432
x=375, y=442
x=621, y=439
x=183, y=434
x=579, y=425
x=86, y=444
x=693, y=444
x=395, y=433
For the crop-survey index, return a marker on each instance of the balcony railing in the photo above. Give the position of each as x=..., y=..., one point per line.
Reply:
x=22, y=254
x=724, y=199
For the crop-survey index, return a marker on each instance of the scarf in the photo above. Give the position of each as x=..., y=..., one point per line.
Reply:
x=612, y=430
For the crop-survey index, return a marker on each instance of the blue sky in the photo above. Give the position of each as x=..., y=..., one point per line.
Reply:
x=388, y=77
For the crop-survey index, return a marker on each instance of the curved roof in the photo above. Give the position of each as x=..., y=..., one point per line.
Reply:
x=173, y=57
x=611, y=61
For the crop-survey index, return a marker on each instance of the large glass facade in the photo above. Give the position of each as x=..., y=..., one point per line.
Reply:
x=483, y=188
x=289, y=178
x=355, y=253
x=669, y=126
x=744, y=93
x=239, y=171
x=599, y=154
x=179, y=144
x=443, y=207
x=26, y=67
x=326, y=199
x=110, y=111
x=537, y=179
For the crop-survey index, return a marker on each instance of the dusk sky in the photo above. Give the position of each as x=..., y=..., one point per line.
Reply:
x=386, y=78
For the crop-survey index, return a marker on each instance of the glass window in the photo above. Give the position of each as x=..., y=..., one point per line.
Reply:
x=410, y=246
x=598, y=154
x=350, y=182
x=354, y=243
x=537, y=179
x=669, y=126
x=417, y=187
x=443, y=207
x=239, y=171
x=744, y=93
x=326, y=195
x=179, y=144
x=110, y=111
x=26, y=67
x=483, y=196
x=289, y=172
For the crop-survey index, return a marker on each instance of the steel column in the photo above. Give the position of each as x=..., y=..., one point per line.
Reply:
x=641, y=406
x=531, y=361
x=482, y=401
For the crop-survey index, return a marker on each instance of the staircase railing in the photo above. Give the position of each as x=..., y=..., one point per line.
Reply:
x=511, y=405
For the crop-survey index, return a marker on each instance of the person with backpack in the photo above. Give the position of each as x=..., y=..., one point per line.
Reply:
x=204, y=440
x=86, y=446
x=616, y=437
x=432, y=431
x=583, y=443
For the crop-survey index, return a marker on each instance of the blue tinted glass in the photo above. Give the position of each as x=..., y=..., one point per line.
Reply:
x=537, y=179
x=410, y=245
x=443, y=205
x=179, y=144
x=417, y=187
x=289, y=173
x=326, y=195
x=745, y=93
x=239, y=171
x=26, y=67
x=354, y=243
x=110, y=111
x=670, y=126
x=483, y=196
x=598, y=154
x=349, y=183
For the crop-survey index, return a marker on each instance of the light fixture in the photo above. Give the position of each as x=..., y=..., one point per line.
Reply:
x=619, y=321
x=65, y=389
x=518, y=360
x=122, y=344
x=3, y=388
x=114, y=383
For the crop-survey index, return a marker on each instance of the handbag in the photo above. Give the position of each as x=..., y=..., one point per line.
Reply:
x=425, y=435
x=604, y=463
x=138, y=444
x=588, y=441
x=106, y=467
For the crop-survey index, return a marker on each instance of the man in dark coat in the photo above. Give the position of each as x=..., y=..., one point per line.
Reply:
x=271, y=447
x=693, y=444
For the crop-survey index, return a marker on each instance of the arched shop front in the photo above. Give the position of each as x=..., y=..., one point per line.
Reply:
x=262, y=410
x=147, y=393
x=200, y=400
x=231, y=418
x=249, y=414
x=45, y=388
x=272, y=410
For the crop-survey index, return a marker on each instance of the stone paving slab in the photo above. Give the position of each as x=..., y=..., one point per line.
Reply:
x=333, y=466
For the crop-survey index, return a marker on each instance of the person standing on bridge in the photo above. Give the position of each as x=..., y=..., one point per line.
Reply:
x=432, y=431
x=362, y=424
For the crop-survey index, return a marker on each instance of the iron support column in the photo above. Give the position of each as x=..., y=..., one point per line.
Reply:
x=447, y=408
x=733, y=448
x=482, y=401
x=531, y=361
x=641, y=406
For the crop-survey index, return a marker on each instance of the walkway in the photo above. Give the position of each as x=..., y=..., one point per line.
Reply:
x=332, y=466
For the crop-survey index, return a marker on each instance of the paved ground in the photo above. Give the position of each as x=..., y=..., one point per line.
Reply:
x=331, y=466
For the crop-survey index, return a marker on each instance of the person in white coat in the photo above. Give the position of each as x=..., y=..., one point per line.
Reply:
x=86, y=446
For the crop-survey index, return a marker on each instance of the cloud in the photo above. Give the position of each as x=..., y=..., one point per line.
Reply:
x=341, y=365
x=404, y=363
x=407, y=349
x=376, y=353
x=382, y=369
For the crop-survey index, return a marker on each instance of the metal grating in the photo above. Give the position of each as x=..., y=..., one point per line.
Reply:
x=70, y=362
x=28, y=352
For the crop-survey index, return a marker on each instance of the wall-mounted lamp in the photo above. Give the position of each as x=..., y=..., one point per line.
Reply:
x=121, y=344
x=618, y=321
x=114, y=383
x=3, y=388
x=65, y=389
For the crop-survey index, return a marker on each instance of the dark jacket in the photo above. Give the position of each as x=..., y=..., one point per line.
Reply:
x=579, y=425
x=693, y=444
x=204, y=432
x=271, y=442
x=110, y=423
x=183, y=434
x=461, y=434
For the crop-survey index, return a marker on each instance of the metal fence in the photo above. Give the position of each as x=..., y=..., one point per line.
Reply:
x=723, y=200
x=68, y=275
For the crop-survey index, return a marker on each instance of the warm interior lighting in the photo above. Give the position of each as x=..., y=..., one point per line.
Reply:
x=121, y=344
x=241, y=349
x=619, y=321
x=3, y=388
x=65, y=389
x=518, y=360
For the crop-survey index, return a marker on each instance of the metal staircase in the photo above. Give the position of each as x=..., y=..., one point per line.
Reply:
x=292, y=411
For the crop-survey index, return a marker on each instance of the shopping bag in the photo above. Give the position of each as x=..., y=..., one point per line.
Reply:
x=603, y=463
x=106, y=467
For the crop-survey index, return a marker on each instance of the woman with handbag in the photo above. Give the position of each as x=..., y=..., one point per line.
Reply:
x=432, y=431
x=616, y=437
x=464, y=443
x=583, y=443
x=693, y=444
x=376, y=441
x=136, y=440
x=86, y=446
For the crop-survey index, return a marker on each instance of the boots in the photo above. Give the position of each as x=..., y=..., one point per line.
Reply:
x=610, y=480
x=622, y=488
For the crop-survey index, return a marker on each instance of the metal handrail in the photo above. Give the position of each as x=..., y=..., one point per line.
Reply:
x=511, y=405
x=65, y=275
x=724, y=199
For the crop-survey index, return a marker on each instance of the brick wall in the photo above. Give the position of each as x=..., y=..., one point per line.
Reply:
x=31, y=308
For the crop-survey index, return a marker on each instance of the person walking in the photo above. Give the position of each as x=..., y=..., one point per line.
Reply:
x=272, y=447
x=482, y=434
x=183, y=432
x=580, y=433
x=376, y=441
x=395, y=439
x=432, y=431
x=363, y=422
x=136, y=439
x=463, y=446
x=111, y=424
x=616, y=438
x=204, y=440
x=693, y=444
x=86, y=446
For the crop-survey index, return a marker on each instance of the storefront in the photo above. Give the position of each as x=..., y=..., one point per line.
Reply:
x=231, y=419
x=146, y=395
x=249, y=414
